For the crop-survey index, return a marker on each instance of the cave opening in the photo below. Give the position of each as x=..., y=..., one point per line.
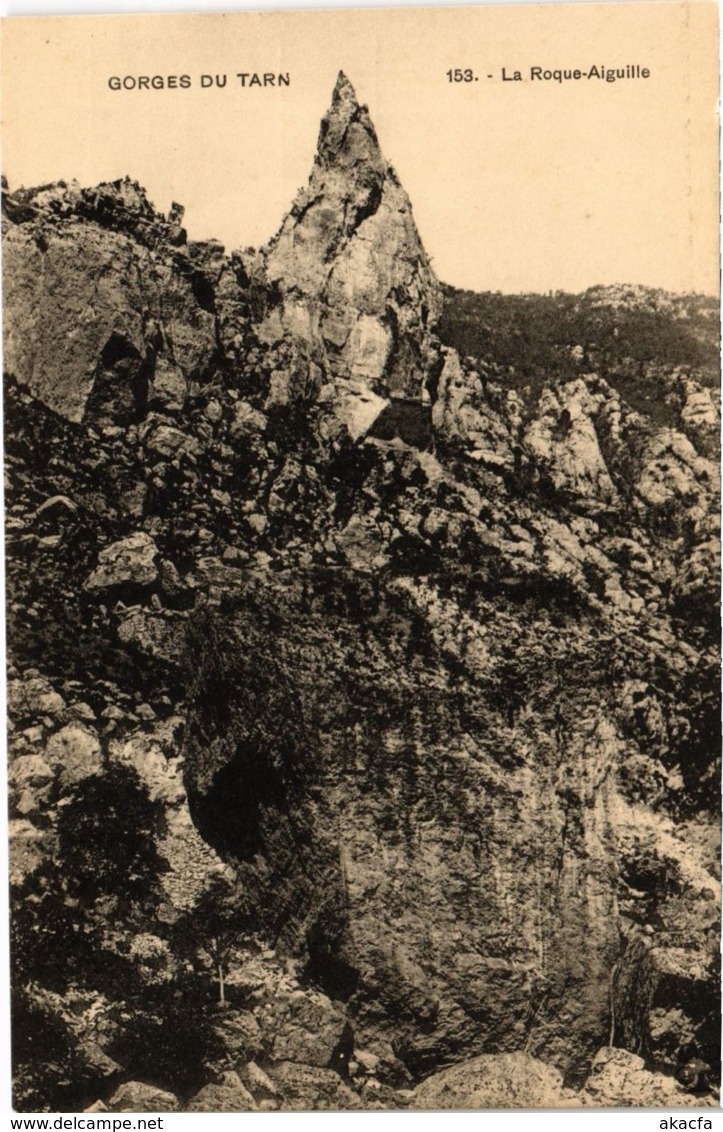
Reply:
x=229, y=815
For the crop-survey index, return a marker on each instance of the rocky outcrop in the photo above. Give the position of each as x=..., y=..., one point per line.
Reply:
x=463, y=416
x=673, y=472
x=104, y=311
x=346, y=278
x=563, y=439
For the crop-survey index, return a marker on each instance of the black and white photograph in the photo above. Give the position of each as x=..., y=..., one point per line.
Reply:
x=362, y=510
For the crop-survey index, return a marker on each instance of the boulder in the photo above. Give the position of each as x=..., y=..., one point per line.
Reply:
x=619, y=1079
x=74, y=752
x=33, y=697
x=96, y=1061
x=247, y=421
x=259, y=1082
x=168, y=442
x=129, y=562
x=661, y=997
x=29, y=770
x=309, y=1030
x=241, y=1035
x=511, y=1080
x=308, y=1088
x=137, y=1096
x=229, y=1094
x=160, y=634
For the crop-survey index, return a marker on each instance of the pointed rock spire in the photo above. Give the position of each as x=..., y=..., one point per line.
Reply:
x=347, y=125
x=358, y=292
x=343, y=89
x=344, y=100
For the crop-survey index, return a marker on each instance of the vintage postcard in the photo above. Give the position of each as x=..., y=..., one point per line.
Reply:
x=362, y=500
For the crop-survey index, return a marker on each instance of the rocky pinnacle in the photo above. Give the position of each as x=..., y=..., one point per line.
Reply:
x=334, y=130
x=349, y=264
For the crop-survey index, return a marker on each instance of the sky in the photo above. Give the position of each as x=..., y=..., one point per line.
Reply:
x=534, y=185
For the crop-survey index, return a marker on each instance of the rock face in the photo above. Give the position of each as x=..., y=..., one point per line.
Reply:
x=406, y=895
x=363, y=681
x=346, y=278
x=564, y=437
x=95, y=317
